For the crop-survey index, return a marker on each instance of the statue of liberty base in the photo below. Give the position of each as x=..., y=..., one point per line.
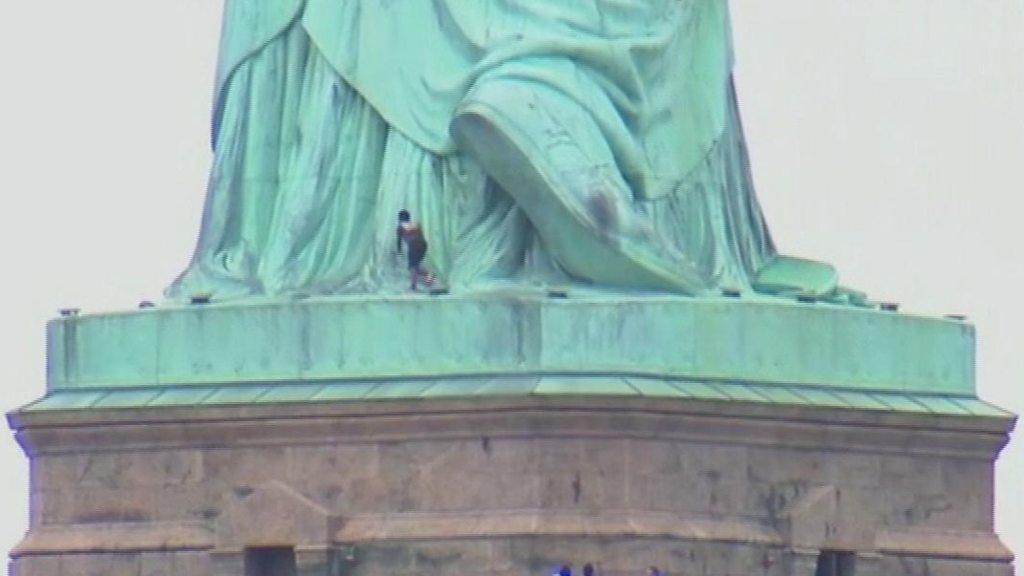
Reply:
x=615, y=366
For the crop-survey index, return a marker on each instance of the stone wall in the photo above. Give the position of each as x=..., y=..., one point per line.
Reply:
x=511, y=486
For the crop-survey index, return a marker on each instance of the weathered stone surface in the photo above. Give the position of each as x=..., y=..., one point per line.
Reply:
x=471, y=488
x=315, y=561
x=556, y=523
x=583, y=474
x=245, y=466
x=810, y=521
x=36, y=566
x=129, y=504
x=175, y=564
x=961, y=479
x=123, y=537
x=191, y=564
x=135, y=469
x=227, y=563
x=906, y=566
x=699, y=479
x=543, y=556
x=273, y=514
x=115, y=564
x=623, y=557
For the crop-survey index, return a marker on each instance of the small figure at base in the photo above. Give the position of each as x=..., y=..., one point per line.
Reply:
x=411, y=234
x=653, y=571
x=588, y=570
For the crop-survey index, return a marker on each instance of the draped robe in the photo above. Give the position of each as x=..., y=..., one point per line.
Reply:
x=594, y=142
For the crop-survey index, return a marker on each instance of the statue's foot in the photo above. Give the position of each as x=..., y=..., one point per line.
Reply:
x=588, y=229
x=789, y=276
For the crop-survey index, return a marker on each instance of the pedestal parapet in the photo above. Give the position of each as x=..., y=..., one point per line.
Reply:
x=367, y=347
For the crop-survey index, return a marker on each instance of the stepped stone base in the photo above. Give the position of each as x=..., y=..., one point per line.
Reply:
x=514, y=485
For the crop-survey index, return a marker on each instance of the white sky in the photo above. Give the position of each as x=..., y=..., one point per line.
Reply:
x=887, y=137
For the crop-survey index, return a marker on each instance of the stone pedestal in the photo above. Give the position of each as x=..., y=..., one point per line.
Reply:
x=512, y=453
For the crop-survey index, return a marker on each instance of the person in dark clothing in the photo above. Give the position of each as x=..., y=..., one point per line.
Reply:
x=653, y=571
x=565, y=570
x=411, y=234
x=588, y=570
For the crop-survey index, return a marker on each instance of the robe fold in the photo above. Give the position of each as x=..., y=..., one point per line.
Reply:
x=331, y=115
x=654, y=74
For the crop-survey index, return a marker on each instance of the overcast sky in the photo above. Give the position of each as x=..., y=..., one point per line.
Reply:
x=887, y=137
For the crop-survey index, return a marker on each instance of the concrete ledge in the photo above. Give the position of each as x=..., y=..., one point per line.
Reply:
x=953, y=545
x=567, y=416
x=130, y=537
x=567, y=523
x=115, y=537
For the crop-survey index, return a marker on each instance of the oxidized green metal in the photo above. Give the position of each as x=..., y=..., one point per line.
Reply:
x=590, y=149
x=537, y=142
x=363, y=348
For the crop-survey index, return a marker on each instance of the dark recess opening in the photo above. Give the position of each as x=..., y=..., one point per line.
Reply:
x=270, y=562
x=833, y=563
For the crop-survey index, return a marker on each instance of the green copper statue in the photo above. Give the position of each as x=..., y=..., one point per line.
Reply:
x=580, y=142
